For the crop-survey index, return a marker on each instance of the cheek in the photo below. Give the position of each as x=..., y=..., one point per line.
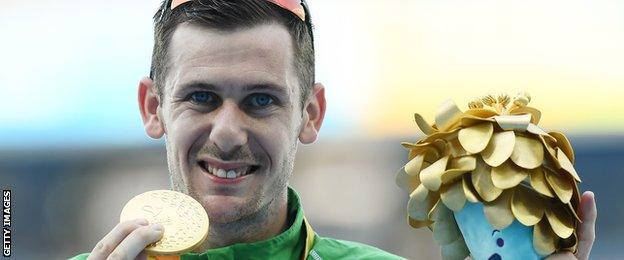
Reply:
x=276, y=137
x=184, y=131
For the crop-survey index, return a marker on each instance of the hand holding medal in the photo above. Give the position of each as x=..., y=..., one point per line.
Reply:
x=184, y=220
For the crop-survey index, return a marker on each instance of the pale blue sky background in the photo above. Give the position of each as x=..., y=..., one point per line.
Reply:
x=69, y=72
x=69, y=69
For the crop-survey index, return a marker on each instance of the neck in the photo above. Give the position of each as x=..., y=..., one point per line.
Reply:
x=266, y=223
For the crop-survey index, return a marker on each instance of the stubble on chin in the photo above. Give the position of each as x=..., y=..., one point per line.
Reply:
x=240, y=224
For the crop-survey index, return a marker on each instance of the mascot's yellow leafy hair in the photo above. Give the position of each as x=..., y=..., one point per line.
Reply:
x=495, y=154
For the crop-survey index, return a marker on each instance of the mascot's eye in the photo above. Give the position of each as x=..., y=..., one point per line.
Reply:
x=500, y=242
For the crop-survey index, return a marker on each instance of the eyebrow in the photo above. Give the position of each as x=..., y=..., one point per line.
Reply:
x=251, y=87
x=186, y=87
x=494, y=231
x=265, y=86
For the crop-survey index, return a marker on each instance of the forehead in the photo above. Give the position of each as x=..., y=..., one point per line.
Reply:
x=246, y=55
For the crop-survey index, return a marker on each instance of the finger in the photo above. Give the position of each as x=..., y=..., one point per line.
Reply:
x=561, y=256
x=134, y=243
x=587, y=231
x=106, y=246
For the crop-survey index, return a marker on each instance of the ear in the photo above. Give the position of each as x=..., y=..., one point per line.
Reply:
x=149, y=104
x=313, y=115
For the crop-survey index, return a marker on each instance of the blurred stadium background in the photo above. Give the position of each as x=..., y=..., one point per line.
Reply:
x=73, y=150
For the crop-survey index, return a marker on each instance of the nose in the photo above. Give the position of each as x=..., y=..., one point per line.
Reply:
x=228, y=128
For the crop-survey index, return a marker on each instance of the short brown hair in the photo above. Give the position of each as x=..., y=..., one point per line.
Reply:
x=229, y=15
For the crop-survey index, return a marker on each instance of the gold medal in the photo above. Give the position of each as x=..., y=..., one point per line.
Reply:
x=184, y=220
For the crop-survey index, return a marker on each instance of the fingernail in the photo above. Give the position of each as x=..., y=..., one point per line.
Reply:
x=589, y=193
x=157, y=227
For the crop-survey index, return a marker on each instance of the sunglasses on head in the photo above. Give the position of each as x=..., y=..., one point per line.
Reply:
x=297, y=7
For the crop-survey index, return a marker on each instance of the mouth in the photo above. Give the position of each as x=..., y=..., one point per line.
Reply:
x=226, y=170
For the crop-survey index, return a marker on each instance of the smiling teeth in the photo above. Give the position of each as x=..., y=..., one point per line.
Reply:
x=230, y=174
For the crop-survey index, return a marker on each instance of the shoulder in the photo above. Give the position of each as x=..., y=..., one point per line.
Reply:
x=329, y=248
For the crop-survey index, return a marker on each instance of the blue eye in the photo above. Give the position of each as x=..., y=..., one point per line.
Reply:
x=202, y=97
x=261, y=100
x=500, y=242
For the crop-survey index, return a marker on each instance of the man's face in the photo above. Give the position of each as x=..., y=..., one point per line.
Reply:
x=231, y=115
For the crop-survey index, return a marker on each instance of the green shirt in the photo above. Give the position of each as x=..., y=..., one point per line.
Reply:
x=290, y=244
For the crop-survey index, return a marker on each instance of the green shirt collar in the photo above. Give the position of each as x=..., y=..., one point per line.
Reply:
x=287, y=245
